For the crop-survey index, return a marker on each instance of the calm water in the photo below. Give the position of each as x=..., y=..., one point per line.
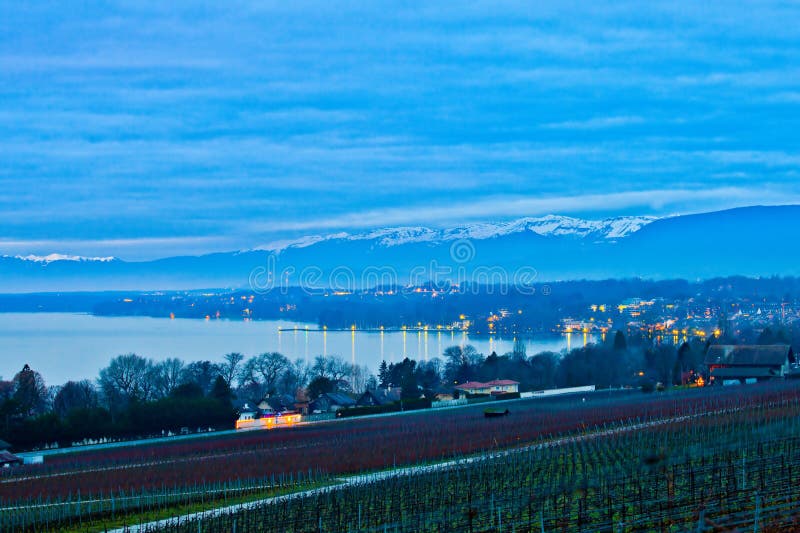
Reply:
x=66, y=346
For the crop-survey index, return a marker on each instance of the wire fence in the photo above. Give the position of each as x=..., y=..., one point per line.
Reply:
x=45, y=514
x=737, y=470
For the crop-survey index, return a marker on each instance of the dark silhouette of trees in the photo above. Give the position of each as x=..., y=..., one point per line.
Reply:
x=231, y=366
x=127, y=378
x=30, y=392
x=75, y=395
x=319, y=386
x=620, y=344
x=202, y=373
x=461, y=363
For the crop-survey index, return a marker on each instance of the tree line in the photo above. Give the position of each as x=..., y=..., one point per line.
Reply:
x=136, y=396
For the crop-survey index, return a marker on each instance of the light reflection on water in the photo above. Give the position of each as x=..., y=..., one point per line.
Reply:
x=65, y=346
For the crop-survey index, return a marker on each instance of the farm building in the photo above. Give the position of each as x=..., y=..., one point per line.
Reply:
x=745, y=363
x=7, y=458
x=497, y=386
x=330, y=401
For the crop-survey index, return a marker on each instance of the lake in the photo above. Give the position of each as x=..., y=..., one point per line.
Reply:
x=65, y=346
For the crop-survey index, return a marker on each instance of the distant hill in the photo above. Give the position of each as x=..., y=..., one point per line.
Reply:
x=751, y=241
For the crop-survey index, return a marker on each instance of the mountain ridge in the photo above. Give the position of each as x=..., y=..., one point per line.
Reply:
x=751, y=241
x=549, y=225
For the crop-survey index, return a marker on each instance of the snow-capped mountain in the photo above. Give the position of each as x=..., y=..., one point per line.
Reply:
x=548, y=226
x=750, y=241
x=50, y=258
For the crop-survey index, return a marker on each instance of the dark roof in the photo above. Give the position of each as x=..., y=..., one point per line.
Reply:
x=280, y=401
x=338, y=398
x=4, y=445
x=7, y=457
x=745, y=372
x=770, y=355
x=334, y=398
x=379, y=397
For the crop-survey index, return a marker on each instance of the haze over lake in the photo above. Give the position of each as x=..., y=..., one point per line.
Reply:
x=66, y=346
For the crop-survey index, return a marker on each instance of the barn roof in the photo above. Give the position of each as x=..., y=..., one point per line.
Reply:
x=338, y=398
x=749, y=355
x=7, y=457
x=745, y=372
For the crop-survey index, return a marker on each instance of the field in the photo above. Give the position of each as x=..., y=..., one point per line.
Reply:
x=642, y=461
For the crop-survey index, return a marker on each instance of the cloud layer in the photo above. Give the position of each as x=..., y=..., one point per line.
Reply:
x=144, y=129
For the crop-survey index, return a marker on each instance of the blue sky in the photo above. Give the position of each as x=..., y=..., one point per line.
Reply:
x=141, y=130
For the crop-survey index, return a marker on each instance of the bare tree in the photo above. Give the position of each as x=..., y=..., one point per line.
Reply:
x=295, y=376
x=359, y=375
x=125, y=379
x=231, y=367
x=331, y=367
x=169, y=374
x=269, y=367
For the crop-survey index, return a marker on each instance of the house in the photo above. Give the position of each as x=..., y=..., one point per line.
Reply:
x=330, y=401
x=7, y=459
x=249, y=419
x=496, y=386
x=746, y=363
x=379, y=397
x=277, y=403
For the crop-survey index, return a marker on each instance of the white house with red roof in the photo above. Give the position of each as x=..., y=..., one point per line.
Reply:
x=496, y=386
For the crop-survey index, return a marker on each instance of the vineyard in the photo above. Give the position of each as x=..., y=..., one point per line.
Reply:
x=609, y=461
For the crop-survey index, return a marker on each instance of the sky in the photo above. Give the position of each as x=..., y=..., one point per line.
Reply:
x=148, y=129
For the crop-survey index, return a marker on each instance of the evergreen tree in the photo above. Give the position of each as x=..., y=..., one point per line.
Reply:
x=221, y=391
x=383, y=375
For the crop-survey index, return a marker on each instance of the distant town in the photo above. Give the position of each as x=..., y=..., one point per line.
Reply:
x=670, y=311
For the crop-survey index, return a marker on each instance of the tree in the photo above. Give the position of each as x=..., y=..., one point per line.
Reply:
x=359, y=375
x=320, y=385
x=187, y=391
x=660, y=361
x=75, y=395
x=428, y=375
x=775, y=335
x=169, y=374
x=30, y=392
x=519, y=350
x=202, y=373
x=543, y=370
x=221, y=391
x=294, y=377
x=6, y=390
x=268, y=367
x=620, y=344
x=383, y=375
x=461, y=363
x=231, y=367
x=125, y=379
x=332, y=367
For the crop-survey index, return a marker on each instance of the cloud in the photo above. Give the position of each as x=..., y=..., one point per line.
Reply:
x=596, y=123
x=135, y=122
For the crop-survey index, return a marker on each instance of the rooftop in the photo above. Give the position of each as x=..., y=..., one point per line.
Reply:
x=750, y=355
x=488, y=384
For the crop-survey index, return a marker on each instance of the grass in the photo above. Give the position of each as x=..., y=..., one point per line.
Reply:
x=105, y=523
